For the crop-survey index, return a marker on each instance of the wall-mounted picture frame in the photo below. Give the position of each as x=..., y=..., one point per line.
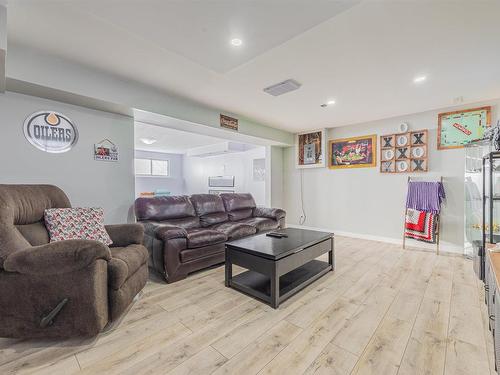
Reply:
x=354, y=152
x=228, y=122
x=106, y=150
x=458, y=128
x=259, y=169
x=221, y=181
x=310, y=149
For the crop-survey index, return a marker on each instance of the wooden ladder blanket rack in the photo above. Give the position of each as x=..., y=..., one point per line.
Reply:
x=437, y=231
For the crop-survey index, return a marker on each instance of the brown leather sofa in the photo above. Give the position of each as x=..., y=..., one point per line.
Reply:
x=185, y=234
x=65, y=288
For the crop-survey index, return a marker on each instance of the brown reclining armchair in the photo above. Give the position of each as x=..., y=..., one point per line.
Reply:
x=65, y=288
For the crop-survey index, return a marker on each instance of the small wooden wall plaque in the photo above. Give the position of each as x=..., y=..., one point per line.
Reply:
x=228, y=122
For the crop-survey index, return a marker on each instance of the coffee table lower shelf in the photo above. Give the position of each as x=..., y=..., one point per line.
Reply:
x=257, y=285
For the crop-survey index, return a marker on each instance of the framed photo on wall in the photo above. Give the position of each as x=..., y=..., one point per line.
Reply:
x=354, y=152
x=310, y=147
x=458, y=128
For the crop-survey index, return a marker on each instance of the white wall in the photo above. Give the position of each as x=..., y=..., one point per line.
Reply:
x=276, y=165
x=87, y=182
x=365, y=202
x=240, y=164
x=173, y=183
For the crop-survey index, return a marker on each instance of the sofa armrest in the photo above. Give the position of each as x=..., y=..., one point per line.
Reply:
x=125, y=234
x=271, y=213
x=169, y=232
x=163, y=232
x=56, y=257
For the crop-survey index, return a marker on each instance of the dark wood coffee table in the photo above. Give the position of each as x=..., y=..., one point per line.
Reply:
x=278, y=267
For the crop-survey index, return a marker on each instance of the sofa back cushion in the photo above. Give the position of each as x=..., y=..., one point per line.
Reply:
x=164, y=208
x=36, y=234
x=210, y=208
x=238, y=205
x=240, y=214
x=21, y=215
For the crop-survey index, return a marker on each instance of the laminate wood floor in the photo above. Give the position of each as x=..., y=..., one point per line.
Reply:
x=383, y=311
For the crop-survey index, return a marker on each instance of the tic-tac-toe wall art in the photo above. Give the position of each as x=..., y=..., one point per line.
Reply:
x=404, y=152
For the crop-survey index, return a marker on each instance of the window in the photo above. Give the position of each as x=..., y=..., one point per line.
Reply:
x=143, y=166
x=151, y=167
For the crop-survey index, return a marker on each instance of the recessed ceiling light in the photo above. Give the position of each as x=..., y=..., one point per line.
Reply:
x=148, y=141
x=419, y=79
x=330, y=102
x=236, y=42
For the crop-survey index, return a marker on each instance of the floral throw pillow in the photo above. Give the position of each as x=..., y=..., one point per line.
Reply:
x=76, y=224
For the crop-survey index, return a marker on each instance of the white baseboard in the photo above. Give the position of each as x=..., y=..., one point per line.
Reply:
x=443, y=246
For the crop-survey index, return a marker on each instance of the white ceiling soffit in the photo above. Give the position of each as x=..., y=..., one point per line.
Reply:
x=174, y=141
x=364, y=55
x=199, y=129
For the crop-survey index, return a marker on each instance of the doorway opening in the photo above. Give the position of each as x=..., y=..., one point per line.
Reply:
x=169, y=161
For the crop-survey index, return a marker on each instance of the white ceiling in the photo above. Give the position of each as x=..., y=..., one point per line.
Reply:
x=170, y=140
x=364, y=55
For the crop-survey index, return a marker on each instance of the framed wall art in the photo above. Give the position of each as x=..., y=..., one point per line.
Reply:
x=259, y=169
x=228, y=122
x=310, y=149
x=355, y=152
x=105, y=150
x=456, y=129
x=404, y=152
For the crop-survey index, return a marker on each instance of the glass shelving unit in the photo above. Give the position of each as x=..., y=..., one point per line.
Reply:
x=491, y=198
x=475, y=154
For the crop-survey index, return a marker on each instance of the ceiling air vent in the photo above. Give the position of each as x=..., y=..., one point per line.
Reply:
x=282, y=87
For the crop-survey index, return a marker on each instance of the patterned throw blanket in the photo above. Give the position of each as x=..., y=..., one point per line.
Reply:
x=420, y=225
x=425, y=196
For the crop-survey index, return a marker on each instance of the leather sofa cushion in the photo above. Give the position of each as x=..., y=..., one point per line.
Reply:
x=125, y=261
x=240, y=214
x=237, y=201
x=207, y=204
x=204, y=237
x=215, y=218
x=210, y=209
x=202, y=252
x=260, y=223
x=233, y=230
x=163, y=208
